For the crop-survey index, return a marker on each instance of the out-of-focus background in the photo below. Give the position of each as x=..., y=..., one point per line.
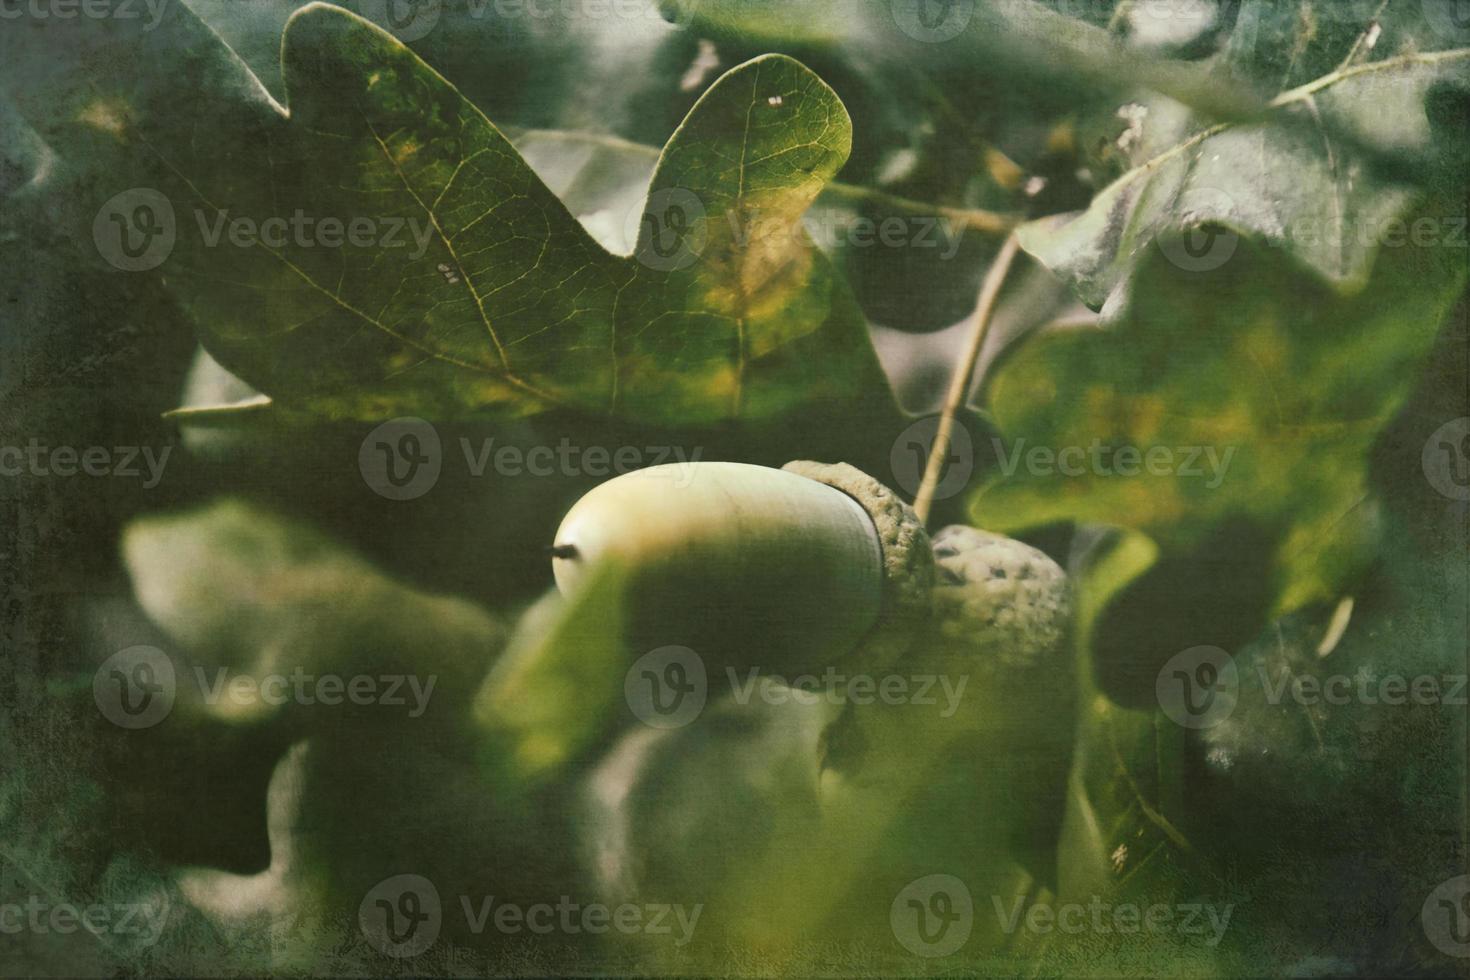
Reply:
x=1299, y=834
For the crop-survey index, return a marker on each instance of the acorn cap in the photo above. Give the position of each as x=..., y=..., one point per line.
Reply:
x=908, y=558
x=999, y=599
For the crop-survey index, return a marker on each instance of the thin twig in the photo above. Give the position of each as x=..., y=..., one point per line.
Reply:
x=959, y=386
x=978, y=219
x=1303, y=92
x=1374, y=24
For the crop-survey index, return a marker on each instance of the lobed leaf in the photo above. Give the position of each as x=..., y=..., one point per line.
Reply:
x=1251, y=393
x=1299, y=178
x=469, y=288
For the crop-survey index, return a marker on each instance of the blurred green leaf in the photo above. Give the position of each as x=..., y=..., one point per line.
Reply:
x=552, y=694
x=1123, y=839
x=248, y=593
x=1030, y=40
x=1251, y=390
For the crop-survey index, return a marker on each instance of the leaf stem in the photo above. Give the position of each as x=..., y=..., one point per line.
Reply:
x=988, y=222
x=1363, y=38
x=959, y=386
x=1300, y=94
x=1304, y=92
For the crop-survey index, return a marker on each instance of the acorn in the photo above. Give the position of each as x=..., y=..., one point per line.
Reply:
x=791, y=568
x=1000, y=601
x=999, y=629
x=832, y=563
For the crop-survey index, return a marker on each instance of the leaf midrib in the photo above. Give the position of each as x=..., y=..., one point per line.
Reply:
x=1303, y=93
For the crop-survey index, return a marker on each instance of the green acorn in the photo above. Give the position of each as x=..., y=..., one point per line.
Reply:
x=789, y=568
